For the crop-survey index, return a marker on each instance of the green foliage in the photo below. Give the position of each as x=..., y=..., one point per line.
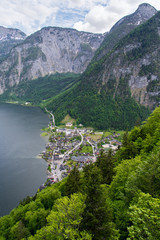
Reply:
x=85, y=47
x=47, y=197
x=145, y=217
x=140, y=173
x=64, y=220
x=35, y=219
x=2, y=238
x=33, y=53
x=31, y=215
x=147, y=69
x=104, y=201
x=100, y=111
x=97, y=217
x=110, y=105
x=73, y=182
x=119, y=194
x=40, y=89
x=105, y=163
x=87, y=149
x=19, y=231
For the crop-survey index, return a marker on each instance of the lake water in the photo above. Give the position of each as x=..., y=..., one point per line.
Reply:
x=21, y=172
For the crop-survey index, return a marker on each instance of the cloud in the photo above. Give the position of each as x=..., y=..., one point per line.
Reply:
x=25, y=14
x=101, y=18
x=85, y=15
x=85, y=4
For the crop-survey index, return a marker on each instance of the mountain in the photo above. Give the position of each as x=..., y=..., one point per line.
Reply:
x=134, y=62
x=9, y=37
x=123, y=27
x=48, y=51
x=121, y=82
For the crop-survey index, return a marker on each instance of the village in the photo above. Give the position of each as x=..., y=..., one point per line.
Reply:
x=72, y=146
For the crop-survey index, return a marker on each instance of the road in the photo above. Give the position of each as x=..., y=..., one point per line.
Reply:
x=92, y=150
x=53, y=119
x=78, y=145
x=57, y=173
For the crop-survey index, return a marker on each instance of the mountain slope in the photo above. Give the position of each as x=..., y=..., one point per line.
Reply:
x=123, y=27
x=9, y=37
x=42, y=88
x=113, y=89
x=48, y=51
x=136, y=60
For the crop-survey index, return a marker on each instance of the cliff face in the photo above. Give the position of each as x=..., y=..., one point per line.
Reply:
x=135, y=62
x=123, y=27
x=48, y=51
x=122, y=79
x=9, y=37
x=132, y=62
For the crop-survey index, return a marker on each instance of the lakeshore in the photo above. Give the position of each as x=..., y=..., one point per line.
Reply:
x=21, y=173
x=71, y=146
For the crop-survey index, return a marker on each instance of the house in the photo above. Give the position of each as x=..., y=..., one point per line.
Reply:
x=69, y=124
x=62, y=167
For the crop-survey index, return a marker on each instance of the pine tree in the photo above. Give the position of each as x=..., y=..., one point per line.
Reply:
x=97, y=216
x=106, y=164
x=73, y=182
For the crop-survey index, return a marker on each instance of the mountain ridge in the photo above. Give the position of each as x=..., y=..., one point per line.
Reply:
x=9, y=37
x=105, y=97
x=48, y=51
x=123, y=27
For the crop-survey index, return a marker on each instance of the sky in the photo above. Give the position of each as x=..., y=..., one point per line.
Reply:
x=96, y=16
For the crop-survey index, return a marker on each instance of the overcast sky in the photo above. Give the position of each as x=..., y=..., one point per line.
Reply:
x=96, y=16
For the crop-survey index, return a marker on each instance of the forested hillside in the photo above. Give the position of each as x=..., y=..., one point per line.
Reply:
x=118, y=197
x=120, y=85
x=118, y=90
x=40, y=89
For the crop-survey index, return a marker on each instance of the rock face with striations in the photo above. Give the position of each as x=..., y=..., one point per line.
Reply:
x=48, y=51
x=9, y=37
x=122, y=79
x=134, y=63
x=123, y=27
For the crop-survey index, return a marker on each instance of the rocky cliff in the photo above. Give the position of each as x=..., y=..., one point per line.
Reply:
x=133, y=58
x=123, y=27
x=135, y=62
x=9, y=38
x=123, y=78
x=48, y=51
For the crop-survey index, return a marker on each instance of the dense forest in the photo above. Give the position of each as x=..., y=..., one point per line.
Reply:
x=117, y=197
x=103, y=97
x=40, y=89
x=100, y=111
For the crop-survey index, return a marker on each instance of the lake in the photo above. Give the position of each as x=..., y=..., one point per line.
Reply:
x=21, y=172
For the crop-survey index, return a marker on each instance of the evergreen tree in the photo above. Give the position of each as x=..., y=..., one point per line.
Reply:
x=64, y=220
x=19, y=231
x=128, y=150
x=106, y=164
x=73, y=182
x=97, y=216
